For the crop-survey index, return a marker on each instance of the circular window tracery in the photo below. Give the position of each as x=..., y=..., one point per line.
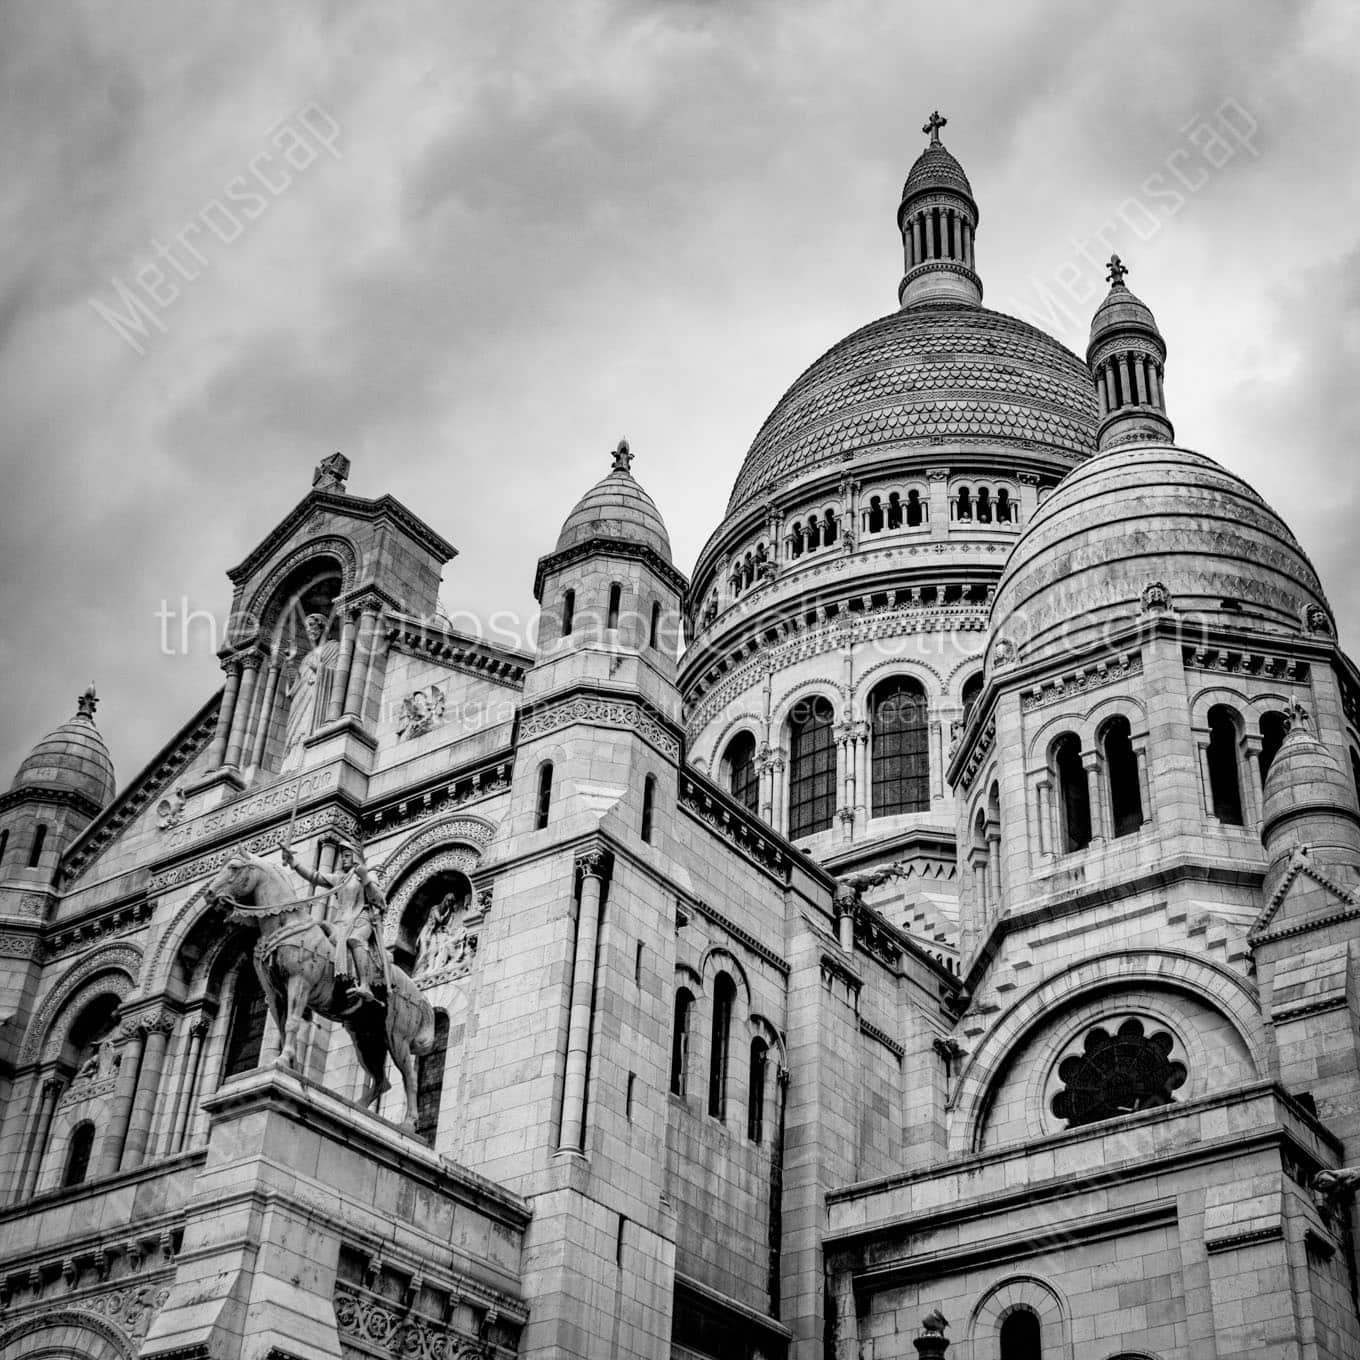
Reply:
x=1117, y=1073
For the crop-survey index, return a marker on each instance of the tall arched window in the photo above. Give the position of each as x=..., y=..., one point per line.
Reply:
x=615, y=602
x=1225, y=784
x=894, y=510
x=724, y=996
x=743, y=776
x=964, y=504
x=914, y=513
x=1003, y=506
x=568, y=612
x=249, y=1011
x=984, y=506
x=648, y=800
x=684, y=1011
x=1121, y=771
x=1273, y=727
x=39, y=840
x=544, y=803
x=812, y=767
x=755, y=1103
x=899, y=747
x=1074, y=800
x=873, y=521
x=1021, y=1336
x=430, y=1080
x=78, y=1154
x=972, y=687
x=654, y=631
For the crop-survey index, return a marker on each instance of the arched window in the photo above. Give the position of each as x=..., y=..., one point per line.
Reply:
x=812, y=767
x=615, y=600
x=964, y=504
x=1074, y=800
x=743, y=776
x=1121, y=770
x=684, y=1010
x=814, y=533
x=830, y=528
x=874, y=519
x=1004, y=508
x=899, y=747
x=78, y=1154
x=796, y=539
x=914, y=510
x=430, y=1080
x=568, y=612
x=894, y=511
x=654, y=631
x=1021, y=1336
x=648, y=799
x=39, y=840
x=1273, y=727
x=724, y=995
x=545, y=774
x=249, y=1011
x=1225, y=785
x=972, y=687
x=984, y=505
x=755, y=1104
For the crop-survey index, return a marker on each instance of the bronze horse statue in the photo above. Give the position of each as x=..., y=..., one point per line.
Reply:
x=294, y=959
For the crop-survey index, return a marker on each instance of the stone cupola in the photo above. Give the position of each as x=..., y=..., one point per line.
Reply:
x=1127, y=358
x=938, y=218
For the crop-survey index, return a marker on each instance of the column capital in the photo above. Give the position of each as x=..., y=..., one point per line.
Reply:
x=592, y=862
x=937, y=474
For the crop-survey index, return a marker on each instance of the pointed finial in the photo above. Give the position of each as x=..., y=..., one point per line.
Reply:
x=623, y=457
x=1299, y=718
x=86, y=703
x=1117, y=269
x=933, y=125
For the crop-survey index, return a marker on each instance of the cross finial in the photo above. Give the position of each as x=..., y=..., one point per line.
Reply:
x=1117, y=269
x=331, y=473
x=933, y=125
x=85, y=704
x=623, y=457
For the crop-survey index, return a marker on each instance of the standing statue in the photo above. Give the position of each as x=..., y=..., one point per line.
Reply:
x=361, y=963
x=295, y=961
x=308, y=689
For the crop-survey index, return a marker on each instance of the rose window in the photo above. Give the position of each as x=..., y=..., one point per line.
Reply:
x=1117, y=1073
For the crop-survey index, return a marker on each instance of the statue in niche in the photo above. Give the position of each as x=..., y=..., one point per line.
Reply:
x=309, y=687
x=443, y=939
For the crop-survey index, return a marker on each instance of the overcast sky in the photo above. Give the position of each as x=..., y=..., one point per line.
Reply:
x=471, y=245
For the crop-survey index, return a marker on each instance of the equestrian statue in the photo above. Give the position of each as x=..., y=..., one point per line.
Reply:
x=338, y=970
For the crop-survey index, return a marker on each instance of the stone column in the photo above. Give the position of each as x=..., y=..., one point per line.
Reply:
x=115, y=1135
x=1100, y=391
x=186, y=1097
x=377, y=648
x=266, y=712
x=210, y=1069
x=1253, y=789
x=359, y=659
x=1125, y=362
x=766, y=787
x=250, y=664
x=1044, y=801
x=845, y=768
x=936, y=760
x=994, y=866
x=1095, y=795
x=780, y=792
x=918, y=241
x=862, y=772
x=217, y=750
x=148, y=1089
x=1155, y=379
x=1111, y=395
x=968, y=244
x=344, y=663
x=591, y=867
x=1140, y=378
x=939, y=501
x=51, y=1092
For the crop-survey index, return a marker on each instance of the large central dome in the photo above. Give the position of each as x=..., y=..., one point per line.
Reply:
x=929, y=374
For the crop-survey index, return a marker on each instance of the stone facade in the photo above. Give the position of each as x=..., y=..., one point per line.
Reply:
x=954, y=951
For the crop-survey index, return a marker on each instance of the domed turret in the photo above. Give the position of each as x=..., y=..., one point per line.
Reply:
x=71, y=759
x=616, y=508
x=1127, y=356
x=1146, y=529
x=937, y=218
x=1309, y=800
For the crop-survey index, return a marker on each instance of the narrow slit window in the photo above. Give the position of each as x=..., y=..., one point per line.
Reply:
x=544, y=803
x=648, y=802
x=654, y=632
x=568, y=612
x=724, y=995
x=615, y=600
x=755, y=1112
x=684, y=1010
x=39, y=840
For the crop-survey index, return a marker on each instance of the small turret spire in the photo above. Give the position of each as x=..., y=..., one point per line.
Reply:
x=1127, y=357
x=937, y=218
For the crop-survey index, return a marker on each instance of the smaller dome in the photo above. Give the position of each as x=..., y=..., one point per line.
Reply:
x=936, y=168
x=71, y=759
x=1309, y=798
x=1121, y=311
x=616, y=508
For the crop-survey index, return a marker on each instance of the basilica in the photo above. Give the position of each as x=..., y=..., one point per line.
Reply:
x=928, y=928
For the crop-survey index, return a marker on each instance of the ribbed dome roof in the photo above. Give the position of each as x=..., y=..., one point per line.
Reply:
x=938, y=372
x=936, y=168
x=1138, y=523
x=618, y=508
x=72, y=759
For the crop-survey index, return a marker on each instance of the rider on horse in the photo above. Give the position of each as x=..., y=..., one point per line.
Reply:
x=359, y=903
